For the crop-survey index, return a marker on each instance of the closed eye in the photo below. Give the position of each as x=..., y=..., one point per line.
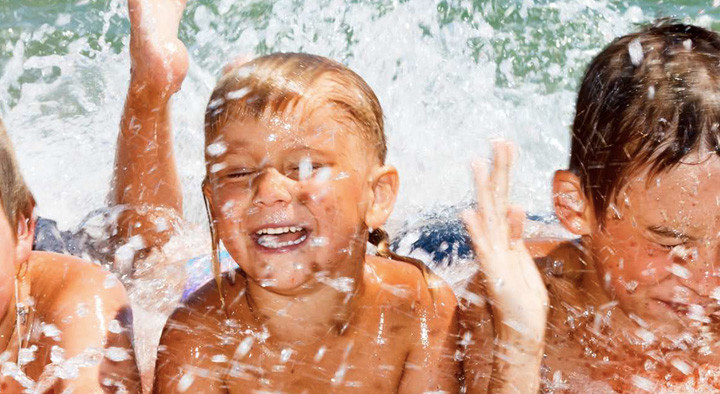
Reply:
x=235, y=174
x=669, y=238
x=670, y=246
x=295, y=172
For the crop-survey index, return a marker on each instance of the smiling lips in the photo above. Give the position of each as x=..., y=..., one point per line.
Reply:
x=280, y=237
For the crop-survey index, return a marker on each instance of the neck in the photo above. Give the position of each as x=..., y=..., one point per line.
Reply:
x=592, y=285
x=307, y=317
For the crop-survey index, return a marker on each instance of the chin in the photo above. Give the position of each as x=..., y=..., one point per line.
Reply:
x=292, y=285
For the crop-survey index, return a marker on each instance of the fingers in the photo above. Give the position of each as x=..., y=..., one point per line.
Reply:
x=502, y=162
x=516, y=222
x=476, y=231
x=491, y=224
x=482, y=192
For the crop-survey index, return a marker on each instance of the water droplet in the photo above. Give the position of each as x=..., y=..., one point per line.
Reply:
x=320, y=354
x=642, y=383
x=244, y=347
x=115, y=327
x=219, y=358
x=682, y=366
x=216, y=103
x=217, y=148
x=50, y=331
x=636, y=52
x=285, y=355
x=679, y=271
x=237, y=94
x=185, y=382
x=218, y=167
x=117, y=354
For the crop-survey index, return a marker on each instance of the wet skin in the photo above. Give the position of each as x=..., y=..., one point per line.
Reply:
x=323, y=316
x=78, y=298
x=316, y=178
x=649, y=274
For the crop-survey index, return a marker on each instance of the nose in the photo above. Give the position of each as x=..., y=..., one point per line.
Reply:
x=271, y=187
x=705, y=271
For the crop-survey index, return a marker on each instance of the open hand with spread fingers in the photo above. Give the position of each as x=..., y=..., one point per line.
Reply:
x=509, y=276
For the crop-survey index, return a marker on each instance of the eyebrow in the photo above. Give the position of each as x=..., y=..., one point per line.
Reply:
x=670, y=233
x=308, y=148
x=239, y=148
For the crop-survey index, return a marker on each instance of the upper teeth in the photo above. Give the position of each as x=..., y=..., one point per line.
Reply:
x=279, y=230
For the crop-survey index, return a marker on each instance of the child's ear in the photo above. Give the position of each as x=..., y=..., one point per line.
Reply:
x=25, y=239
x=571, y=205
x=385, y=185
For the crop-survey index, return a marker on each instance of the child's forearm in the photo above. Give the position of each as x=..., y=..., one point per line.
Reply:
x=145, y=172
x=503, y=354
x=145, y=180
x=517, y=358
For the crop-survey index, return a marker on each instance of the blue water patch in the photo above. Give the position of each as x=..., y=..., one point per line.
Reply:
x=443, y=237
x=199, y=270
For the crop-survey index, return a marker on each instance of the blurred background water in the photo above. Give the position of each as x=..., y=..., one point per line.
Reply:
x=451, y=75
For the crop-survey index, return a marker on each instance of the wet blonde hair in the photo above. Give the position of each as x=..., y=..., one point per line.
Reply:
x=277, y=83
x=17, y=201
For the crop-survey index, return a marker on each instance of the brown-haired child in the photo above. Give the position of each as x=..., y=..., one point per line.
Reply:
x=64, y=322
x=634, y=301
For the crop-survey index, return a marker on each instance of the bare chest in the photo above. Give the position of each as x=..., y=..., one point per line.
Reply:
x=353, y=363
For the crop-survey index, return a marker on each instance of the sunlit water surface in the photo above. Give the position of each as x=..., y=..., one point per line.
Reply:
x=451, y=75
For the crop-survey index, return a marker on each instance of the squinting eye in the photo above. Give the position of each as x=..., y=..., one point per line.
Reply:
x=669, y=246
x=304, y=170
x=240, y=173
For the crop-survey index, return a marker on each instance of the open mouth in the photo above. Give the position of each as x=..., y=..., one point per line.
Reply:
x=281, y=237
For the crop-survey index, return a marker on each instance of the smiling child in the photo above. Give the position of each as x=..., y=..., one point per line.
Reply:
x=634, y=302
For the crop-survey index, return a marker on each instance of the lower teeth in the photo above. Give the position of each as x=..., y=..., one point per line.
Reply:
x=268, y=241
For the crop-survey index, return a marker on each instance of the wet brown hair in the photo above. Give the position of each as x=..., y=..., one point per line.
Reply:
x=17, y=201
x=647, y=101
x=277, y=83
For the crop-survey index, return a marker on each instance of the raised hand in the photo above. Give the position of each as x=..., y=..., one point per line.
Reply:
x=509, y=277
x=159, y=58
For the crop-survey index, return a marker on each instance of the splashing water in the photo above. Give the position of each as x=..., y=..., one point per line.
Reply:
x=450, y=74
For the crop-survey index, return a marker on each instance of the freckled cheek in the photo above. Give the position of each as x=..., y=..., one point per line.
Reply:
x=328, y=196
x=315, y=192
x=230, y=206
x=636, y=262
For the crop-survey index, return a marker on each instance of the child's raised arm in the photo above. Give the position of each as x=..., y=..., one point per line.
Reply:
x=511, y=282
x=145, y=179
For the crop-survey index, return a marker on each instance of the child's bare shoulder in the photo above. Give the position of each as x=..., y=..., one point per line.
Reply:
x=409, y=282
x=63, y=279
x=562, y=267
x=203, y=309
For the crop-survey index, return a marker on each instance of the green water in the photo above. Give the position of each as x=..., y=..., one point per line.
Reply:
x=450, y=73
x=533, y=33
